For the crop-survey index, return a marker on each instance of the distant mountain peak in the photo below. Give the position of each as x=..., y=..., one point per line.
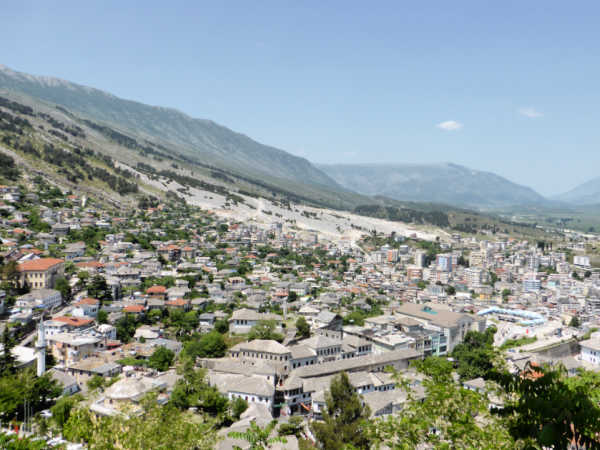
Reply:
x=444, y=182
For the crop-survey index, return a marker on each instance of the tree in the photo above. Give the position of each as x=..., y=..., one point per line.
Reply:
x=449, y=416
x=161, y=359
x=96, y=382
x=63, y=286
x=222, y=326
x=210, y=345
x=450, y=290
x=550, y=409
x=344, y=418
x=264, y=329
x=62, y=409
x=126, y=327
x=7, y=359
x=302, y=328
x=476, y=356
x=102, y=316
x=237, y=406
x=39, y=392
x=575, y=323
x=98, y=288
x=258, y=438
x=160, y=427
x=15, y=442
x=505, y=294
x=293, y=427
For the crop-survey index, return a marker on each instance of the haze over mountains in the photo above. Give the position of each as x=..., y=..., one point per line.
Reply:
x=443, y=183
x=587, y=193
x=207, y=143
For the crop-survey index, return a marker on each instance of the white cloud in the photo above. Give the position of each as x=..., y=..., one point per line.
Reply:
x=450, y=125
x=530, y=112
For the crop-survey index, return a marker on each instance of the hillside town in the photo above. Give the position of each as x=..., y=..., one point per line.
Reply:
x=270, y=313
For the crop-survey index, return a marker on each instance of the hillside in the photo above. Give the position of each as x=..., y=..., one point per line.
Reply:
x=587, y=193
x=198, y=140
x=441, y=183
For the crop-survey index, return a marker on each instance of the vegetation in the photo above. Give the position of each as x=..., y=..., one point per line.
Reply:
x=265, y=329
x=345, y=418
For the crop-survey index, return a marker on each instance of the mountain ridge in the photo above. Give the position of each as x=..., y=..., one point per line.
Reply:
x=443, y=182
x=586, y=193
x=201, y=139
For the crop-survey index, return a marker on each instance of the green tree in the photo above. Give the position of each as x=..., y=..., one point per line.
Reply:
x=476, y=355
x=550, y=409
x=63, y=286
x=126, y=327
x=448, y=417
x=265, y=329
x=62, y=409
x=293, y=427
x=450, y=290
x=98, y=288
x=160, y=427
x=237, y=406
x=345, y=418
x=302, y=328
x=222, y=326
x=210, y=345
x=7, y=359
x=102, y=316
x=161, y=359
x=575, y=323
x=39, y=392
x=96, y=382
x=258, y=438
x=14, y=442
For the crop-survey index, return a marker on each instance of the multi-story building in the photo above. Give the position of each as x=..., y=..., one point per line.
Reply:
x=41, y=273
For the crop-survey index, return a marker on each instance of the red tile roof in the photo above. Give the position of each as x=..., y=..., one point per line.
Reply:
x=74, y=321
x=134, y=308
x=157, y=289
x=41, y=264
x=88, y=301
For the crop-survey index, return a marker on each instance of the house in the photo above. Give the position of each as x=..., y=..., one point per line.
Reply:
x=41, y=273
x=125, y=394
x=251, y=388
x=453, y=325
x=74, y=250
x=68, y=383
x=39, y=299
x=179, y=303
x=136, y=310
x=242, y=320
x=264, y=349
x=590, y=351
x=326, y=348
x=87, y=307
x=68, y=348
x=157, y=291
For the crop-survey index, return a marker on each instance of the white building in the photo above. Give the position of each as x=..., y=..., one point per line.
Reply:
x=39, y=299
x=590, y=351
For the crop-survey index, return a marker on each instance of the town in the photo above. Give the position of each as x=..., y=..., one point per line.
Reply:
x=117, y=306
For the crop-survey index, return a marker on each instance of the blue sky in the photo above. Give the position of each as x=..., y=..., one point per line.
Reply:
x=508, y=86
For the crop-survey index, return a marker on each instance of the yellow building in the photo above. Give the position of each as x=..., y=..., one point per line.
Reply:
x=41, y=273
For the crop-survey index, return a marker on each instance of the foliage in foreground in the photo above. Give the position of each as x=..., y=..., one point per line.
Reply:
x=160, y=427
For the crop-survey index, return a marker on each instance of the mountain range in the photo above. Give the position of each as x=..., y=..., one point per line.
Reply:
x=587, y=193
x=204, y=143
x=442, y=183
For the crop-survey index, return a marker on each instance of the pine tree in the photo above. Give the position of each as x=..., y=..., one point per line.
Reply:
x=345, y=418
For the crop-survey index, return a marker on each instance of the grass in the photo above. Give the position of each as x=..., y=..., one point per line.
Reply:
x=512, y=343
